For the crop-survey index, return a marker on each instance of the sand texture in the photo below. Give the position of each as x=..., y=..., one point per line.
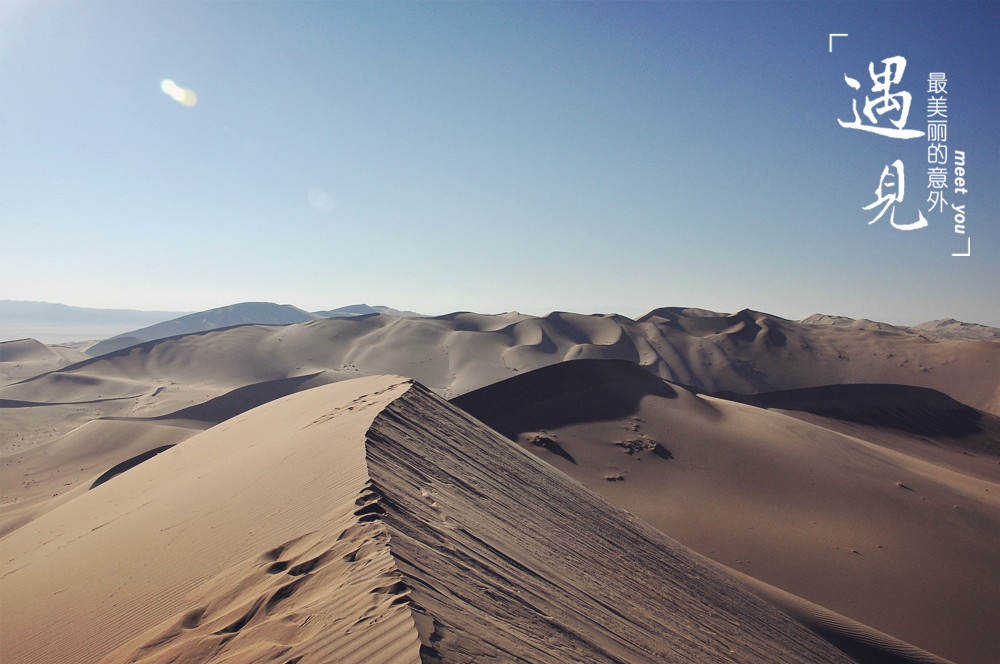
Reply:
x=26, y=358
x=892, y=520
x=367, y=521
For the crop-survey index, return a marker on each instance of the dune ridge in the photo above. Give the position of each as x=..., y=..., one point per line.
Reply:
x=896, y=532
x=366, y=521
x=251, y=536
x=25, y=358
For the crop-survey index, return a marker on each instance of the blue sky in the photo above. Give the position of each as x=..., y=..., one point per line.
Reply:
x=592, y=157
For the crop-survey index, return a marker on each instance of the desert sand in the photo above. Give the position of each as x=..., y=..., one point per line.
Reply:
x=25, y=358
x=860, y=511
x=367, y=521
x=747, y=352
x=893, y=528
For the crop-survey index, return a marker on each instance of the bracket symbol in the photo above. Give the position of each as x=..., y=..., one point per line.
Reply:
x=835, y=34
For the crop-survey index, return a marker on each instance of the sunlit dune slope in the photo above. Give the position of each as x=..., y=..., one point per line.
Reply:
x=26, y=358
x=366, y=521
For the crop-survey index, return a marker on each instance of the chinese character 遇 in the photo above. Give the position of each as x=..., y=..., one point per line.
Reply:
x=891, y=198
x=900, y=101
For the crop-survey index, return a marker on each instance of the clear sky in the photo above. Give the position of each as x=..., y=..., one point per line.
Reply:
x=591, y=157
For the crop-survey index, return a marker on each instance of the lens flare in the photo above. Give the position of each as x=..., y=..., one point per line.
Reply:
x=321, y=200
x=184, y=96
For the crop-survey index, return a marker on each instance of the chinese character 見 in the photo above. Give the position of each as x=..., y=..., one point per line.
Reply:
x=891, y=198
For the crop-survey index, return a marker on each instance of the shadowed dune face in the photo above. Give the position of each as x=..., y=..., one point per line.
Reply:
x=551, y=573
x=244, y=398
x=128, y=464
x=919, y=411
x=920, y=420
x=367, y=521
x=823, y=515
x=622, y=383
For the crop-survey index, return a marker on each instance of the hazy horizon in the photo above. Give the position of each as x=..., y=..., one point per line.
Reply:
x=169, y=315
x=590, y=157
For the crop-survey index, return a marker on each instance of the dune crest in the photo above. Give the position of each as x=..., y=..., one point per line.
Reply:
x=367, y=521
x=25, y=358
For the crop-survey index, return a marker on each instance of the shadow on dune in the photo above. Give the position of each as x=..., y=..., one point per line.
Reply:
x=240, y=400
x=622, y=385
x=214, y=411
x=538, y=440
x=128, y=464
x=863, y=644
x=915, y=410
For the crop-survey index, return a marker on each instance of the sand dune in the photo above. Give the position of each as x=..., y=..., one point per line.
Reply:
x=366, y=521
x=201, y=379
x=923, y=423
x=25, y=350
x=840, y=494
x=37, y=477
x=861, y=642
x=746, y=352
x=898, y=534
x=945, y=328
x=949, y=328
x=26, y=358
x=47, y=476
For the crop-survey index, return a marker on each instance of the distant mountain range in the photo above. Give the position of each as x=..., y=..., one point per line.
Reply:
x=245, y=313
x=59, y=323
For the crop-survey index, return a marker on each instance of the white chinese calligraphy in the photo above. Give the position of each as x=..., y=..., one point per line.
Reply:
x=900, y=101
x=891, y=198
